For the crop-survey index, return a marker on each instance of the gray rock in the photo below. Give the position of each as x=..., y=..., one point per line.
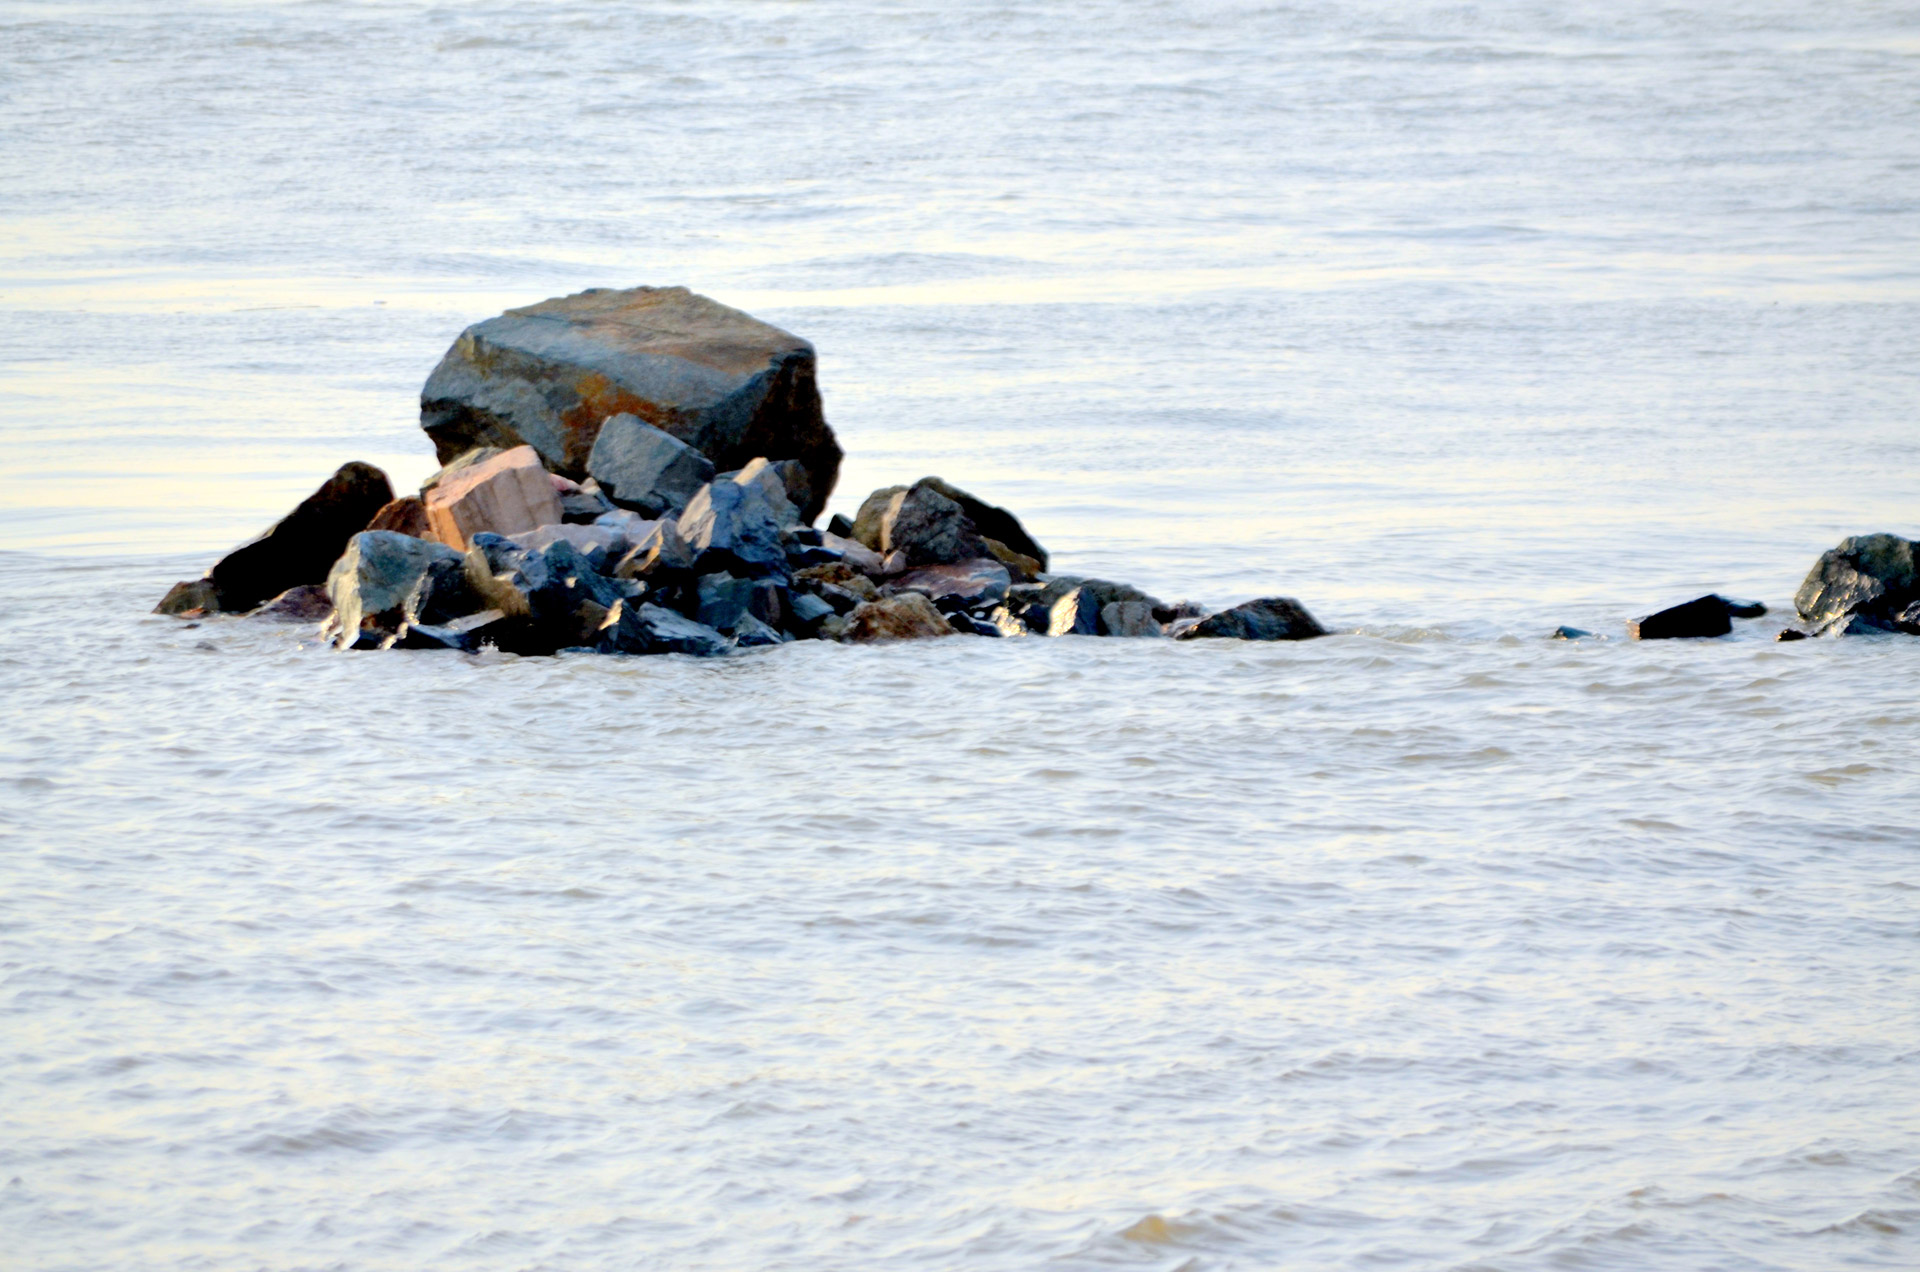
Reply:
x=300, y=548
x=370, y=583
x=751, y=633
x=602, y=546
x=1269, y=618
x=467, y=633
x=441, y=594
x=1868, y=577
x=1129, y=618
x=1101, y=590
x=806, y=612
x=649, y=629
x=1702, y=616
x=645, y=468
x=549, y=374
x=732, y=527
x=661, y=553
x=1564, y=632
x=1075, y=614
x=562, y=599
x=584, y=507
x=991, y=521
x=928, y=527
x=776, y=484
x=724, y=601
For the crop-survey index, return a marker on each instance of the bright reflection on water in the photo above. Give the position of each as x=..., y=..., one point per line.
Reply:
x=1432, y=945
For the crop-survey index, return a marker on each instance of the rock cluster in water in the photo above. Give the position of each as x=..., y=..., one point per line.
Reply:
x=639, y=472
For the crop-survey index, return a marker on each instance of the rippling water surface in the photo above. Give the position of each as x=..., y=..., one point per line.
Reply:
x=1432, y=945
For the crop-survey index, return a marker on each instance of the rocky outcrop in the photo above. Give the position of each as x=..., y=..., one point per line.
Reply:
x=549, y=375
x=503, y=494
x=1866, y=584
x=993, y=523
x=300, y=548
x=1269, y=618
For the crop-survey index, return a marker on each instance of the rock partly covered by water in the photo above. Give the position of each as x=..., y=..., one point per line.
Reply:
x=551, y=375
x=1868, y=584
x=1704, y=616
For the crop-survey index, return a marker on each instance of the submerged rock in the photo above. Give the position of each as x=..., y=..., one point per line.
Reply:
x=1704, y=616
x=548, y=375
x=1563, y=632
x=505, y=494
x=1269, y=618
x=300, y=548
x=1870, y=579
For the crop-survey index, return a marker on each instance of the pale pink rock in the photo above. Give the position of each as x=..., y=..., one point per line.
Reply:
x=506, y=494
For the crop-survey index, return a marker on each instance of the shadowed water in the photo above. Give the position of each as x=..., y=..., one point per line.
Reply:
x=1435, y=944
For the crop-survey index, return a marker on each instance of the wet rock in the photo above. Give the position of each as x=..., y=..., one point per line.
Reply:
x=992, y=522
x=1871, y=578
x=1564, y=632
x=370, y=583
x=441, y=594
x=649, y=629
x=1075, y=614
x=1269, y=618
x=969, y=583
x=190, y=598
x=308, y=603
x=1703, y=616
x=562, y=598
x=921, y=523
x=1103, y=591
x=1010, y=623
x=300, y=548
x=806, y=612
x=549, y=374
x=662, y=553
x=1791, y=633
x=405, y=515
x=751, y=633
x=645, y=468
x=505, y=494
x=468, y=633
x=1129, y=618
x=733, y=528
x=909, y=616
x=1743, y=609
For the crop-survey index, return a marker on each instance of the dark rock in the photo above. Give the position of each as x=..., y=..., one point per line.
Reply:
x=645, y=468
x=405, y=515
x=733, y=528
x=1743, y=609
x=549, y=374
x=1703, y=616
x=1269, y=618
x=441, y=594
x=919, y=522
x=1564, y=632
x=1075, y=614
x=1101, y=590
x=649, y=629
x=1129, y=618
x=724, y=601
x=782, y=484
x=1009, y=623
x=371, y=582
x=839, y=525
x=992, y=522
x=602, y=546
x=982, y=581
x=190, y=598
x=301, y=547
x=806, y=612
x=467, y=633
x=1872, y=577
x=307, y=603
x=562, y=598
x=752, y=633
x=1791, y=633
x=661, y=554
x=1908, y=620
x=584, y=507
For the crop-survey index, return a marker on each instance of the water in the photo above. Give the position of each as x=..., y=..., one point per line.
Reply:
x=1432, y=945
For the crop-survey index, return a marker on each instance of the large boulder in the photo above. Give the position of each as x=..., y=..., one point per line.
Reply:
x=370, y=584
x=1269, y=618
x=504, y=494
x=300, y=548
x=550, y=374
x=643, y=467
x=1865, y=584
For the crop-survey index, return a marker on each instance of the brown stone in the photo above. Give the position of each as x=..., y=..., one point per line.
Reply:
x=308, y=603
x=909, y=616
x=1023, y=568
x=506, y=494
x=189, y=598
x=548, y=375
x=975, y=582
x=405, y=515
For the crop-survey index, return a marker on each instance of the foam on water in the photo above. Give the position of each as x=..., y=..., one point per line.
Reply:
x=1434, y=944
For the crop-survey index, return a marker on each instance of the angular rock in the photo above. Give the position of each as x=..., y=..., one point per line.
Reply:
x=645, y=468
x=585, y=507
x=733, y=528
x=563, y=600
x=841, y=575
x=1023, y=568
x=1269, y=618
x=1791, y=633
x=661, y=553
x=839, y=525
x=865, y=527
x=549, y=374
x=441, y=594
x=600, y=545
x=1703, y=616
x=806, y=612
x=300, y=548
x=1872, y=577
x=468, y=633
x=370, y=583
x=1129, y=618
x=971, y=583
x=190, y=598
x=1101, y=590
x=854, y=553
x=924, y=525
x=1075, y=614
x=503, y=495
x=308, y=603
x=992, y=522
x=751, y=633
x=770, y=479
x=649, y=629
x=909, y=616
x=405, y=515
x=459, y=463
x=724, y=601
x=1008, y=623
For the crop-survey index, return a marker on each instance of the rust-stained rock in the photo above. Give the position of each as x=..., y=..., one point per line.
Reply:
x=970, y=583
x=548, y=375
x=909, y=616
x=405, y=515
x=504, y=495
x=189, y=598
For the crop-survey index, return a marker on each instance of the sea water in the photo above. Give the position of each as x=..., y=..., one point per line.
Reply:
x=1436, y=944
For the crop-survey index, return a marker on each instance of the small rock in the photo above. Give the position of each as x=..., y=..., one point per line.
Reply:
x=807, y=612
x=909, y=616
x=1703, y=616
x=584, y=507
x=649, y=629
x=978, y=582
x=1269, y=618
x=1129, y=618
x=724, y=601
x=307, y=603
x=854, y=553
x=190, y=598
x=662, y=553
x=502, y=495
x=645, y=468
x=839, y=526
x=752, y=633
x=370, y=583
x=1791, y=633
x=1075, y=614
x=405, y=515
x=467, y=633
x=1023, y=568
x=597, y=543
x=1564, y=632
x=1008, y=623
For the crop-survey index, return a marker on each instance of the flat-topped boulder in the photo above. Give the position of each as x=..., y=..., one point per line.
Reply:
x=548, y=375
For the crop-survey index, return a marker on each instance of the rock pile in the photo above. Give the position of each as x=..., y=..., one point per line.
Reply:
x=639, y=472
